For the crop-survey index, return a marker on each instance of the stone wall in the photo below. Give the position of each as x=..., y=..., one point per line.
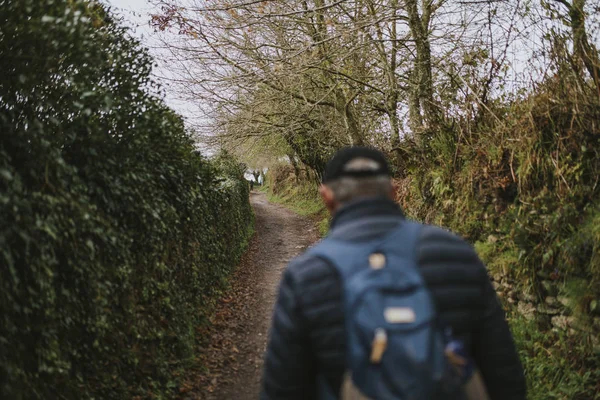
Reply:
x=550, y=307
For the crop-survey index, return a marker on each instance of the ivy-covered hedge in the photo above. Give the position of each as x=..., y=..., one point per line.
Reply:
x=114, y=232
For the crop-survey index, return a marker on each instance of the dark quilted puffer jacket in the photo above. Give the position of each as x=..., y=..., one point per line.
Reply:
x=307, y=342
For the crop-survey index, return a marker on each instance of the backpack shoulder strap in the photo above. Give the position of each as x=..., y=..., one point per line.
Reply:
x=340, y=254
x=343, y=255
x=403, y=240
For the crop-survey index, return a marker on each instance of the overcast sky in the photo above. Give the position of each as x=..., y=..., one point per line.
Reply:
x=136, y=14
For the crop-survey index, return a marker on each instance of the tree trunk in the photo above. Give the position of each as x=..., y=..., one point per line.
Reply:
x=346, y=111
x=394, y=127
x=392, y=100
x=415, y=119
x=294, y=163
x=421, y=95
x=582, y=48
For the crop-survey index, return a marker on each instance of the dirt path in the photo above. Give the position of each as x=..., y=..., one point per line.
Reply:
x=238, y=337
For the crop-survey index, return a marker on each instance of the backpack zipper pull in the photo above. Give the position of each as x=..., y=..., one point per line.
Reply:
x=378, y=346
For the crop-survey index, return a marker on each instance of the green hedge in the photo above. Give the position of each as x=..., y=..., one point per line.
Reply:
x=114, y=232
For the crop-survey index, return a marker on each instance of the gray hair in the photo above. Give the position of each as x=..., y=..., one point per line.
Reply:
x=346, y=189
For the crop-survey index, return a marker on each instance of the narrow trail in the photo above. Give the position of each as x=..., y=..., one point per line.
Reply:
x=237, y=339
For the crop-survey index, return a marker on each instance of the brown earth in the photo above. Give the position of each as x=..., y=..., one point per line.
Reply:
x=236, y=341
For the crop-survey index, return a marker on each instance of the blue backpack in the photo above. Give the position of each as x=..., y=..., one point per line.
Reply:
x=395, y=343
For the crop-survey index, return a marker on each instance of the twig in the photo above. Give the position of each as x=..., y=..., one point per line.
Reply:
x=560, y=174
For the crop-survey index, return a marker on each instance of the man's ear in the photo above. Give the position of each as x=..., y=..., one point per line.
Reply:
x=328, y=198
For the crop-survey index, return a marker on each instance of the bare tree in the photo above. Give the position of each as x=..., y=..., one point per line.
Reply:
x=307, y=76
x=585, y=52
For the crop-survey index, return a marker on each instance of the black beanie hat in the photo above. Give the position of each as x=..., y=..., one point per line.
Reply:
x=336, y=166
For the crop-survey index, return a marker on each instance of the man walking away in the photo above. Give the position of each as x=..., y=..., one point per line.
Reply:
x=376, y=304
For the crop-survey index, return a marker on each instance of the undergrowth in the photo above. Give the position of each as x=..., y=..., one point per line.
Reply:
x=298, y=195
x=558, y=366
x=522, y=186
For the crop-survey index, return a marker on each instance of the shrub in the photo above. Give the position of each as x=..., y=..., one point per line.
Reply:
x=115, y=233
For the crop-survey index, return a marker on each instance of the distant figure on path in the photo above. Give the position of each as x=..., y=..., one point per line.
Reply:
x=374, y=307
